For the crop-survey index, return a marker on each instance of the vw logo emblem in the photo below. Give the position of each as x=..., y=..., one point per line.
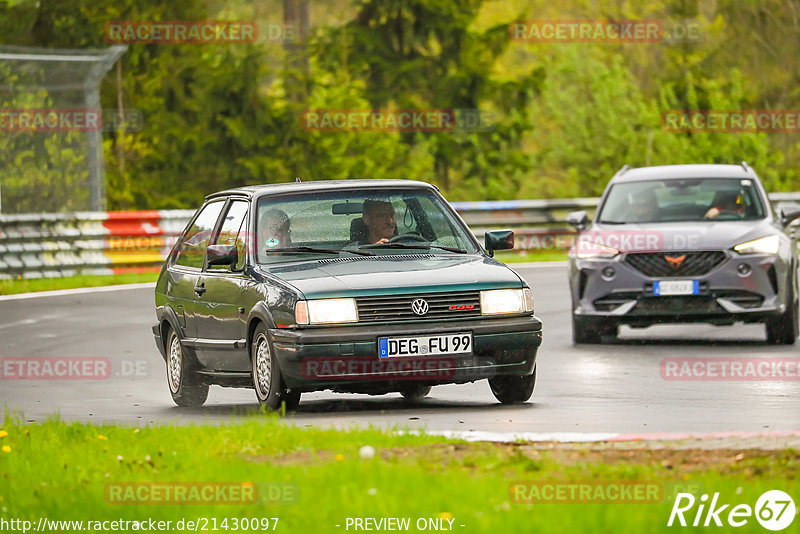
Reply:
x=419, y=306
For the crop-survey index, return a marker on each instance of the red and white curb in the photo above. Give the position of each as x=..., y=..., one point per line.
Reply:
x=593, y=437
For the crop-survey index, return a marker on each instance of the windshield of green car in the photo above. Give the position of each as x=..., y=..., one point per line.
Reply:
x=357, y=222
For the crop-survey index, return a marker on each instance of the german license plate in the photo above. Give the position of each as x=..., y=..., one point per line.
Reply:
x=665, y=288
x=435, y=345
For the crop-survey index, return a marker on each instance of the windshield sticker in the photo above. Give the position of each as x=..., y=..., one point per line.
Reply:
x=272, y=242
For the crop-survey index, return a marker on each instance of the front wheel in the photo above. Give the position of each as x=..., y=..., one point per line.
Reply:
x=783, y=330
x=513, y=389
x=591, y=329
x=267, y=380
x=185, y=387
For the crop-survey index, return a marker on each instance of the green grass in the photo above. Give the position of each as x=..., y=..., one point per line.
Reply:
x=10, y=287
x=525, y=256
x=61, y=471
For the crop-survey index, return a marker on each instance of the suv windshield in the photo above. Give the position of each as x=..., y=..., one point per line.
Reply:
x=691, y=199
x=358, y=222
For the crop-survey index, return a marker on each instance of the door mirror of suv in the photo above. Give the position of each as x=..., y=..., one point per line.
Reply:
x=789, y=214
x=499, y=240
x=222, y=255
x=578, y=219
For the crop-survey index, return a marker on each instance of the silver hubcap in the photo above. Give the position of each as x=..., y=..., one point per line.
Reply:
x=263, y=366
x=174, y=367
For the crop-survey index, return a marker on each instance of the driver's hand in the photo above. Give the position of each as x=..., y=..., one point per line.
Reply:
x=381, y=240
x=713, y=212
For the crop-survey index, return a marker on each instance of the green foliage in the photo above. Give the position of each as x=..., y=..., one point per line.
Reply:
x=564, y=116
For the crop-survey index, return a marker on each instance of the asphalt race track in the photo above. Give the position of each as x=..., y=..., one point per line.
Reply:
x=613, y=388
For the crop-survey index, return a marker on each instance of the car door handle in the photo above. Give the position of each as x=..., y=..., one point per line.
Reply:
x=200, y=289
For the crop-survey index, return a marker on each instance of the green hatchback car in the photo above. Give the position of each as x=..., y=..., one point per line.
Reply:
x=361, y=286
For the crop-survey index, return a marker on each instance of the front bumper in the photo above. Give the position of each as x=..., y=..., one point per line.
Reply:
x=726, y=295
x=346, y=357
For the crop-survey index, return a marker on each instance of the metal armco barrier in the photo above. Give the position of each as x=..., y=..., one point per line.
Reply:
x=66, y=244
x=52, y=245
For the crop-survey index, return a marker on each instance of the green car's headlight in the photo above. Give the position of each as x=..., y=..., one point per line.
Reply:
x=764, y=245
x=502, y=301
x=326, y=311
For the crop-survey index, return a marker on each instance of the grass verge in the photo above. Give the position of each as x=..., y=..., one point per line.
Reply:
x=29, y=285
x=313, y=479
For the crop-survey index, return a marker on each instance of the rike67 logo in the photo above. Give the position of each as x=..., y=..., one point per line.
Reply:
x=774, y=510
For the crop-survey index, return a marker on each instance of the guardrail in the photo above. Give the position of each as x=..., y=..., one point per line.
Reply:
x=66, y=244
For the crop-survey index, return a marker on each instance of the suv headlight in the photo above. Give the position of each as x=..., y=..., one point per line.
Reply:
x=326, y=311
x=501, y=301
x=764, y=245
x=588, y=251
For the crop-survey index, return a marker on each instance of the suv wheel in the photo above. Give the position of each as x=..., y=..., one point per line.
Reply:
x=184, y=384
x=513, y=389
x=591, y=329
x=783, y=329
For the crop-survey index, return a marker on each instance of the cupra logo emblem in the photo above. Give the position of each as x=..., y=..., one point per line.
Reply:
x=675, y=261
x=419, y=306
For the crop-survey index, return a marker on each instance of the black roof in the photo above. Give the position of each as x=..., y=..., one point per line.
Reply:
x=320, y=185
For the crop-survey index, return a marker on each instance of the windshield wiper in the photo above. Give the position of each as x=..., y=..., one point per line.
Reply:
x=450, y=249
x=395, y=245
x=420, y=246
x=612, y=222
x=321, y=250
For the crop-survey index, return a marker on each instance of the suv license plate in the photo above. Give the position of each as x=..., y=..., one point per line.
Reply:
x=436, y=345
x=665, y=288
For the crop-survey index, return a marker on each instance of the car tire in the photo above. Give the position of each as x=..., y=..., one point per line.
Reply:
x=291, y=399
x=591, y=329
x=185, y=386
x=783, y=330
x=266, y=375
x=513, y=389
x=414, y=392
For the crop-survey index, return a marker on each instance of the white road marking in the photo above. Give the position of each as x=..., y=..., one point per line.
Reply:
x=77, y=291
x=535, y=264
x=504, y=437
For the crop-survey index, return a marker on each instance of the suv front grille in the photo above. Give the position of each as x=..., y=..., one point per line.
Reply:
x=398, y=307
x=691, y=264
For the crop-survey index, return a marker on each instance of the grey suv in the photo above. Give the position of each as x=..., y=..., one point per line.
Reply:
x=684, y=244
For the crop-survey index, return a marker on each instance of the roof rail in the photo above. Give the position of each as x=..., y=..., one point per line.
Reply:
x=623, y=170
x=745, y=166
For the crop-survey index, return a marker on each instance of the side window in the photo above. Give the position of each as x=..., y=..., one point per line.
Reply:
x=195, y=241
x=233, y=232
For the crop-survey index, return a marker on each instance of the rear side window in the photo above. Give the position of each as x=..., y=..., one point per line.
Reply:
x=194, y=242
x=233, y=231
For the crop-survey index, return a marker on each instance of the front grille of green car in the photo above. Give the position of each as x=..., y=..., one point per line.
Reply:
x=389, y=308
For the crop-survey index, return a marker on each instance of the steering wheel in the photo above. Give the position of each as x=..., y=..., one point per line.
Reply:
x=410, y=236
